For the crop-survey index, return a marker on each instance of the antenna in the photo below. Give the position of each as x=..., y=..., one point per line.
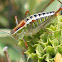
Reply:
x=4, y=32
x=60, y=1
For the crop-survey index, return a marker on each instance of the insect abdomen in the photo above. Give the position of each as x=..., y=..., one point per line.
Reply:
x=40, y=18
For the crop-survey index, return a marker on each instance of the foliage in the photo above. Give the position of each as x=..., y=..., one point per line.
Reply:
x=10, y=8
x=43, y=46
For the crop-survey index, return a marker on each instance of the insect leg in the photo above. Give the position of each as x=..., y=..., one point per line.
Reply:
x=52, y=16
x=47, y=5
x=25, y=45
x=60, y=1
x=58, y=10
x=25, y=42
x=16, y=20
x=49, y=20
x=32, y=23
x=27, y=12
x=46, y=30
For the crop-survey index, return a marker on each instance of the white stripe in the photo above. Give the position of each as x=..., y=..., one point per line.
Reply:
x=19, y=29
x=38, y=17
x=34, y=18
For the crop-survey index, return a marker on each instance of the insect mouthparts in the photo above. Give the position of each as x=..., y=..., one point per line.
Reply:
x=12, y=31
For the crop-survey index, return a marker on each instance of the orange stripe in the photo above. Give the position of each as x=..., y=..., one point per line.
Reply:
x=26, y=44
x=21, y=24
x=33, y=21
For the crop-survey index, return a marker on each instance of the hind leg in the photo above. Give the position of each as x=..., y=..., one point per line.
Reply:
x=25, y=45
x=27, y=12
x=47, y=5
x=60, y=1
x=50, y=19
x=58, y=10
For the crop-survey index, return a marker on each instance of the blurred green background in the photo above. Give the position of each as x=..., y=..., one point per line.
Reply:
x=11, y=8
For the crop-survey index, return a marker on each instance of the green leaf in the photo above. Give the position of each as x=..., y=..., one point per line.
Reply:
x=50, y=50
x=39, y=50
x=59, y=49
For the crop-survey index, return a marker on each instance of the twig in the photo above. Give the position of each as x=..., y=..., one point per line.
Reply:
x=6, y=54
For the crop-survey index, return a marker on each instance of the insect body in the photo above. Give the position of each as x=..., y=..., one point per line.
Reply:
x=25, y=26
x=42, y=17
x=32, y=24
